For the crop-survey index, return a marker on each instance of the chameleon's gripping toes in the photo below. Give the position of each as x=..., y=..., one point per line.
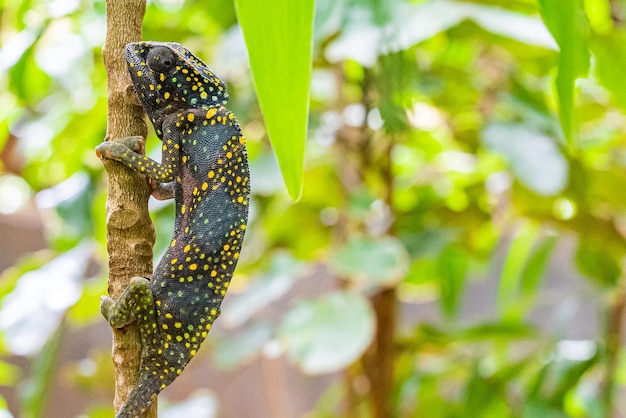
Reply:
x=204, y=163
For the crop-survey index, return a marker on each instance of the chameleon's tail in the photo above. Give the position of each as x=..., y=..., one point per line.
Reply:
x=140, y=397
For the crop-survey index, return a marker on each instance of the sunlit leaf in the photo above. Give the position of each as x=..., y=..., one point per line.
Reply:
x=279, y=39
x=610, y=54
x=8, y=374
x=516, y=258
x=567, y=23
x=452, y=268
x=329, y=333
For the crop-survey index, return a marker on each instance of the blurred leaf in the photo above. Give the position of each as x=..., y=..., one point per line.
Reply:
x=516, y=259
x=279, y=40
x=40, y=300
x=597, y=262
x=363, y=39
x=568, y=24
x=201, y=404
x=263, y=291
x=235, y=348
x=534, y=158
x=8, y=374
x=370, y=263
x=506, y=330
x=451, y=274
x=37, y=386
x=328, y=333
x=536, y=265
x=486, y=396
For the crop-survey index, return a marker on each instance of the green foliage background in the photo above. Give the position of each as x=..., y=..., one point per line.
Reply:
x=449, y=141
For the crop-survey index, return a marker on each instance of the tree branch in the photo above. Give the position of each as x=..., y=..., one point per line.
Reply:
x=130, y=234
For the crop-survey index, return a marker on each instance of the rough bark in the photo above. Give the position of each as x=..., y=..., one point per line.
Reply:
x=130, y=234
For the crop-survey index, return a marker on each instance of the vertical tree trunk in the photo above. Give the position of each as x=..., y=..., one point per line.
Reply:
x=130, y=234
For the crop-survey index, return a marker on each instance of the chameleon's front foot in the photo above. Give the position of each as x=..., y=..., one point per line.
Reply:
x=115, y=150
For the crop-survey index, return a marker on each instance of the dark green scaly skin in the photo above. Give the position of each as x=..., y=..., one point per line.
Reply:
x=204, y=163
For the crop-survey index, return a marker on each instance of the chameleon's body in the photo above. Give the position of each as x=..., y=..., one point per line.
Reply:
x=204, y=164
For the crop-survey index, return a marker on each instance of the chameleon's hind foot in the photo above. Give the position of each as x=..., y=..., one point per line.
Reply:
x=105, y=306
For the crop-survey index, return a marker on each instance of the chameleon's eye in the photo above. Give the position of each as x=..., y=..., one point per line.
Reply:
x=160, y=59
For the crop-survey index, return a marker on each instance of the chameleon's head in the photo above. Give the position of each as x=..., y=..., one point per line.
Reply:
x=166, y=75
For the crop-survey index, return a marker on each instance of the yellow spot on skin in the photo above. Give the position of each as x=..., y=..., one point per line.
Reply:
x=190, y=117
x=192, y=352
x=173, y=243
x=162, y=78
x=203, y=95
x=211, y=112
x=193, y=267
x=178, y=325
x=211, y=174
x=139, y=73
x=229, y=154
x=226, y=247
x=242, y=140
x=213, y=273
x=187, y=248
x=182, y=209
x=174, y=260
x=168, y=315
x=184, y=158
x=205, y=185
x=240, y=199
x=166, y=95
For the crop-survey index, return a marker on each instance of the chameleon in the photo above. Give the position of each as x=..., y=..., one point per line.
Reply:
x=204, y=168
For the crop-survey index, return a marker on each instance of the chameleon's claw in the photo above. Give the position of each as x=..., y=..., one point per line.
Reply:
x=135, y=143
x=105, y=306
x=161, y=191
x=115, y=150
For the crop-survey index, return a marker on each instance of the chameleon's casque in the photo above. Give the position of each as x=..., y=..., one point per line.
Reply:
x=204, y=166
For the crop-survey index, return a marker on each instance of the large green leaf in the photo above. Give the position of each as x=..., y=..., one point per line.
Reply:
x=279, y=38
x=329, y=333
x=567, y=22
